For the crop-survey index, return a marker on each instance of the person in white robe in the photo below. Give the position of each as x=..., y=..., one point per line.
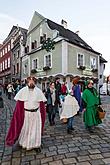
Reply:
x=30, y=135
x=69, y=110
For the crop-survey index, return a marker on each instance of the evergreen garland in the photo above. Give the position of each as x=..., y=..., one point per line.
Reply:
x=48, y=45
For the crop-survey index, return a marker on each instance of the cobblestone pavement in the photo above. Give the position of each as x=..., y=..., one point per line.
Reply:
x=60, y=148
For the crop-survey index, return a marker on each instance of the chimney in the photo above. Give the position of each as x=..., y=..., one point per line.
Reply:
x=64, y=23
x=77, y=32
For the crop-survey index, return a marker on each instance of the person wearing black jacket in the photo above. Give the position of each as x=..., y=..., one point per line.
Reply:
x=52, y=102
x=58, y=85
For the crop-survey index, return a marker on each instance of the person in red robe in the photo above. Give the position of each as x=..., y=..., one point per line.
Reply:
x=28, y=119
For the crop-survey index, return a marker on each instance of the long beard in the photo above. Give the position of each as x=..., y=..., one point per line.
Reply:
x=31, y=86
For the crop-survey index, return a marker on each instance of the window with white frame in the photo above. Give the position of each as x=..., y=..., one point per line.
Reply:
x=34, y=44
x=43, y=38
x=92, y=62
x=14, y=56
x=35, y=63
x=14, y=69
x=8, y=62
x=48, y=60
x=25, y=69
x=18, y=53
x=3, y=52
x=5, y=63
x=80, y=59
x=5, y=49
x=0, y=67
x=17, y=68
x=8, y=47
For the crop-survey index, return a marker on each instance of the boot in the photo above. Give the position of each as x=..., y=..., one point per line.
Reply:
x=90, y=129
x=72, y=128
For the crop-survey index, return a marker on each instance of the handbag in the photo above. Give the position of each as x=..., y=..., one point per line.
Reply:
x=101, y=112
x=65, y=120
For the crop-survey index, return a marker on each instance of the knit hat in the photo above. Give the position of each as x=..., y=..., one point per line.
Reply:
x=88, y=82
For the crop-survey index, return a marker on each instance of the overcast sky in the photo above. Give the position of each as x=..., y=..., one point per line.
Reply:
x=90, y=17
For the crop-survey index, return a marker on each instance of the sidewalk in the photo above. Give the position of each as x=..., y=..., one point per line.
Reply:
x=60, y=148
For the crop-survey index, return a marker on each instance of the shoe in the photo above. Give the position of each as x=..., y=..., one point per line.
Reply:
x=69, y=131
x=16, y=147
x=90, y=130
x=41, y=145
x=53, y=122
x=38, y=150
x=72, y=129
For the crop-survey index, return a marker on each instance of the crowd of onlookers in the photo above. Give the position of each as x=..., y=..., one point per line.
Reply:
x=12, y=88
x=59, y=96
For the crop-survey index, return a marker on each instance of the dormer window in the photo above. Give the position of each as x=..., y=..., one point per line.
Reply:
x=27, y=49
x=34, y=44
x=42, y=38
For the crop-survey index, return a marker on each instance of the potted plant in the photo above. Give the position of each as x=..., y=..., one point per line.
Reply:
x=33, y=71
x=82, y=67
x=46, y=68
x=94, y=70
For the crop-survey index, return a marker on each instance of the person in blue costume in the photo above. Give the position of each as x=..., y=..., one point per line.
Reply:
x=77, y=92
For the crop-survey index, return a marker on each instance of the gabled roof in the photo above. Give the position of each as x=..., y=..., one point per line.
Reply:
x=13, y=28
x=10, y=33
x=24, y=32
x=35, y=21
x=70, y=36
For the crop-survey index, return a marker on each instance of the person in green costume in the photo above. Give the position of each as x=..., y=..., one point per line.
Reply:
x=90, y=102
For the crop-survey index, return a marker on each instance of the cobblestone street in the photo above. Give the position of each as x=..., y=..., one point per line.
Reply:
x=60, y=148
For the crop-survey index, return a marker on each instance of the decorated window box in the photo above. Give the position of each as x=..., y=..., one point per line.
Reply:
x=82, y=67
x=46, y=68
x=94, y=70
x=33, y=71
